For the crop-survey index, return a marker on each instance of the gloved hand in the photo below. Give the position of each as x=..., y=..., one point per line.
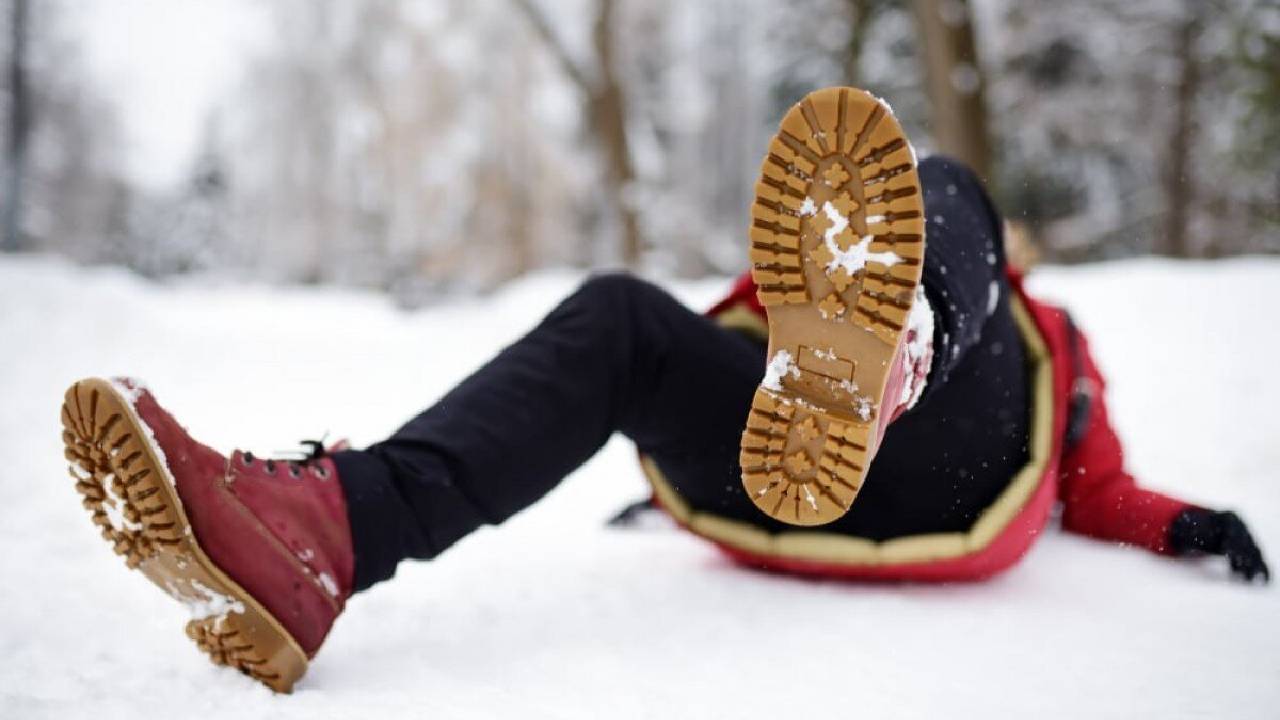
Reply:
x=1196, y=530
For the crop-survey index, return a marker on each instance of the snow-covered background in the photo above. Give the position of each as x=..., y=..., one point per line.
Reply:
x=427, y=146
x=553, y=615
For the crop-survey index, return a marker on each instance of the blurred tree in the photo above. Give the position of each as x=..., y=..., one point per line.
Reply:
x=425, y=147
x=19, y=124
x=862, y=14
x=955, y=82
x=1244, y=49
x=63, y=191
x=1179, y=185
x=183, y=230
x=1130, y=126
x=384, y=144
x=606, y=112
x=873, y=44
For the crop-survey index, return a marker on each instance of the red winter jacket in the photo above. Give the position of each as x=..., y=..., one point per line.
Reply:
x=1099, y=498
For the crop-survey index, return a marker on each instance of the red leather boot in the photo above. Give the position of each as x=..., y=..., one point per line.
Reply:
x=259, y=551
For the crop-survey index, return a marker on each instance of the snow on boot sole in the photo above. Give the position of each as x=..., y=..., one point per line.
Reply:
x=836, y=251
x=132, y=497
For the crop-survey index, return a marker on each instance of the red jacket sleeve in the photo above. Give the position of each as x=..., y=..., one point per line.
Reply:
x=743, y=291
x=1099, y=497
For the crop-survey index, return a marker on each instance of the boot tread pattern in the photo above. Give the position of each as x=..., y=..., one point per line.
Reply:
x=838, y=191
x=138, y=512
x=801, y=465
x=836, y=252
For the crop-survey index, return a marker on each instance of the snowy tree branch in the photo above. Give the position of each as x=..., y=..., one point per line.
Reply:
x=543, y=28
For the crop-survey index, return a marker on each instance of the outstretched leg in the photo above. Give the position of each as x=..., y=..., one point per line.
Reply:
x=619, y=354
x=265, y=553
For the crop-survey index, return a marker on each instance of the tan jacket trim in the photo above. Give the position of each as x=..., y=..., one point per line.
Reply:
x=742, y=318
x=851, y=550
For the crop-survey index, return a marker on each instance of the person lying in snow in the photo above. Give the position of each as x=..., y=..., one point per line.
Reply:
x=915, y=416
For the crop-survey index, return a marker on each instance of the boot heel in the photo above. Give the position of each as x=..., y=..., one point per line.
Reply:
x=802, y=464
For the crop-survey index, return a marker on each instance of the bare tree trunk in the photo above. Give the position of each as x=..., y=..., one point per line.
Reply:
x=608, y=110
x=606, y=115
x=1179, y=187
x=955, y=82
x=19, y=126
x=859, y=16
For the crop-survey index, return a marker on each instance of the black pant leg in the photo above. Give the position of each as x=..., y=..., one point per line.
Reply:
x=619, y=354
x=964, y=264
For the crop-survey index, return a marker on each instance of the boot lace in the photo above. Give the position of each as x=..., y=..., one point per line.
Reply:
x=307, y=459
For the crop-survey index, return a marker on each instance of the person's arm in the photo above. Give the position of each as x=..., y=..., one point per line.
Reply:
x=1101, y=499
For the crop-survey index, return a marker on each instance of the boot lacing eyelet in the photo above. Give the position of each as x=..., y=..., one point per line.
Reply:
x=247, y=459
x=320, y=472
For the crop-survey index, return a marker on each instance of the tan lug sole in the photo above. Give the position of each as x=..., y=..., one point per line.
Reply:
x=131, y=496
x=837, y=248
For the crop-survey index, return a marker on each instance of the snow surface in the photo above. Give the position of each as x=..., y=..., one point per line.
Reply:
x=555, y=616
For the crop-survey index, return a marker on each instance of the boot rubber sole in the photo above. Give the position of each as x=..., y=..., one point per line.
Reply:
x=836, y=251
x=130, y=494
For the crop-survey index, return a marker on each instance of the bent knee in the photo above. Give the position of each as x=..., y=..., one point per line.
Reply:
x=620, y=299
x=944, y=167
x=616, y=287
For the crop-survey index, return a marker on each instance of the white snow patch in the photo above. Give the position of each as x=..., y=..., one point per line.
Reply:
x=993, y=297
x=808, y=496
x=920, y=320
x=131, y=388
x=780, y=364
x=132, y=394
x=908, y=387
x=113, y=505
x=887, y=107
x=808, y=208
x=858, y=254
x=326, y=581
x=864, y=409
x=203, y=602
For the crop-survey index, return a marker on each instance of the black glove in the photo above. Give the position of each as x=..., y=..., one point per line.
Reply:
x=631, y=515
x=1218, y=533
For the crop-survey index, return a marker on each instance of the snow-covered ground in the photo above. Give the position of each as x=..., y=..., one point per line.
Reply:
x=552, y=615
